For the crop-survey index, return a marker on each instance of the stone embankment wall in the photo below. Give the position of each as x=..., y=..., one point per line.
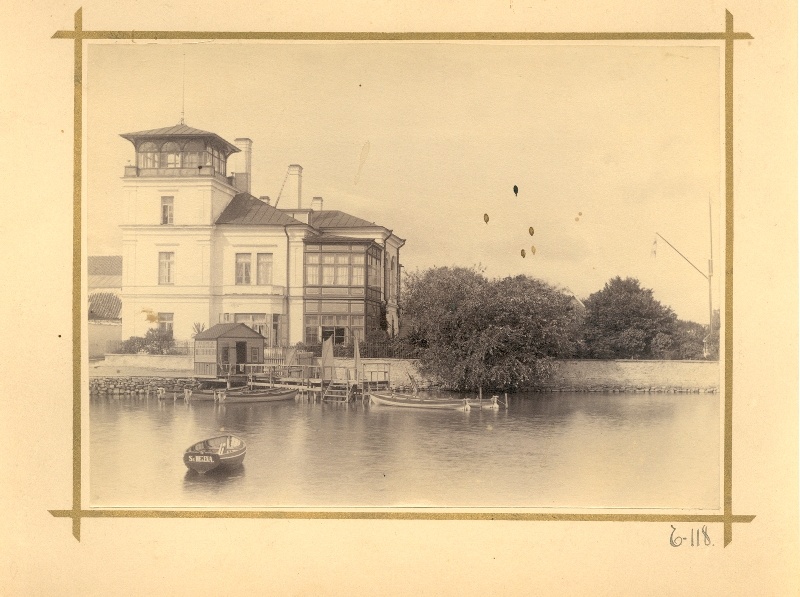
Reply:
x=635, y=376
x=569, y=375
x=138, y=386
x=595, y=375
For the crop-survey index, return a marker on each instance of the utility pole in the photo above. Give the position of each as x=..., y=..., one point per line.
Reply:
x=710, y=266
x=706, y=276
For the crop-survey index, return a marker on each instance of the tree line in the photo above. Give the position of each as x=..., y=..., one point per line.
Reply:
x=470, y=331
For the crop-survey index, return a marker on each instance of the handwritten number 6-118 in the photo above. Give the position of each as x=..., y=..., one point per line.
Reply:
x=676, y=540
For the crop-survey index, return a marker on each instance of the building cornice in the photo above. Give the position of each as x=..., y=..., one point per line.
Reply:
x=177, y=182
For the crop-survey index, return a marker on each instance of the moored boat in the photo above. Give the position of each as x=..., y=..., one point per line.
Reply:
x=245, y=395
x=411, y=401
x=225, y=451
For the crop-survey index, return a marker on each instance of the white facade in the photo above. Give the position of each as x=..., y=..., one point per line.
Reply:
x=187, y=290
x=184, y=265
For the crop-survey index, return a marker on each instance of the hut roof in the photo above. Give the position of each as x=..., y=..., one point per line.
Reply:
x=228, y=330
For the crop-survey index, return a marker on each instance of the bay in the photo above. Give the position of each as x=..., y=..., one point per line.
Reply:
x=570, y=450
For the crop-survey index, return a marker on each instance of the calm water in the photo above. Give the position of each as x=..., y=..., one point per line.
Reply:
x=572, y=450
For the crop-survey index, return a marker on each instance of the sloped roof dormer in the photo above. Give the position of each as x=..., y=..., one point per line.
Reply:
x=333, y=218
x=244, y=209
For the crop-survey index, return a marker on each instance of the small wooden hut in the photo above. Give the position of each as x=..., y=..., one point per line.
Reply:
x=225, y=348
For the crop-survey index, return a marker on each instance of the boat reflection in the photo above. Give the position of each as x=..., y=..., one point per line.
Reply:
x=218, y=476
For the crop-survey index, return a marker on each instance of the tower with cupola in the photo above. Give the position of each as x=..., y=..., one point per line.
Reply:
x=179, y=184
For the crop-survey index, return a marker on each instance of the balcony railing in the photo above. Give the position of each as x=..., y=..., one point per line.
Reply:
x=205, y=171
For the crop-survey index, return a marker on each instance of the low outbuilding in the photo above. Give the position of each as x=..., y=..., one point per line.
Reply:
x=226, y=348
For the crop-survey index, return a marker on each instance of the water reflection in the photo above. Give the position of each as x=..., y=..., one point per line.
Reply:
x=216, y=479
x=573, y=450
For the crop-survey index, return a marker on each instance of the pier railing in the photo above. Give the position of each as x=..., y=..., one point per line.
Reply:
x=370, y=374
x=383, y=349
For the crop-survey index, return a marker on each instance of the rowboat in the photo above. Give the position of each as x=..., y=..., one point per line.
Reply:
x=225, y=451
x=411, y=401
x=259, y=395
x=241, y=395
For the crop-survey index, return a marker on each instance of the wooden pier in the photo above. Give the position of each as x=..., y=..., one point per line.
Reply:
x=332, y=383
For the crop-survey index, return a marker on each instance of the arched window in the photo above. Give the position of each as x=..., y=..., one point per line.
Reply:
x=148, y=155
x=193, y=154
x=170, y=155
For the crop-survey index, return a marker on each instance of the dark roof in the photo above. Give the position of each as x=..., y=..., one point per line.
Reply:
x=333, y=218
x=104, y=305
x=178, y=130
x=336, y=239
x=246, y=209
x=228, y=330
x=104, y=265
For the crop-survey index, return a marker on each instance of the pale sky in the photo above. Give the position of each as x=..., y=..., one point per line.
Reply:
x=608, y=144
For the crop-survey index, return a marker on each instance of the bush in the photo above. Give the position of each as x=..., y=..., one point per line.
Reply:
x=155, y=341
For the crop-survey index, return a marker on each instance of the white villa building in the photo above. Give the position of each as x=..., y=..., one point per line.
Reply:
x=198, y=248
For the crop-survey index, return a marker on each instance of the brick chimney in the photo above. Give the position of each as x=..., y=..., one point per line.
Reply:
x=241, y=164
x=316, y=203
x=294, y=186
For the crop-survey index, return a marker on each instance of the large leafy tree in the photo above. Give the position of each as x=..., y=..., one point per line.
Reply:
x=689, y=340
x=624, y=321
x=433, y=301
x=473, y=333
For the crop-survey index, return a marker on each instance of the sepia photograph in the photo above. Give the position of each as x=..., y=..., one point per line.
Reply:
x=400, y=298
x=350, y=275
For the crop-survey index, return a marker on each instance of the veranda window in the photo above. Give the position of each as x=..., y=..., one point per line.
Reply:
x=148, y=155
x=170, y=155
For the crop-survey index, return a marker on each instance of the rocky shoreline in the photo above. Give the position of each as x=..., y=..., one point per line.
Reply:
x=148, y=385
x=138, y=386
